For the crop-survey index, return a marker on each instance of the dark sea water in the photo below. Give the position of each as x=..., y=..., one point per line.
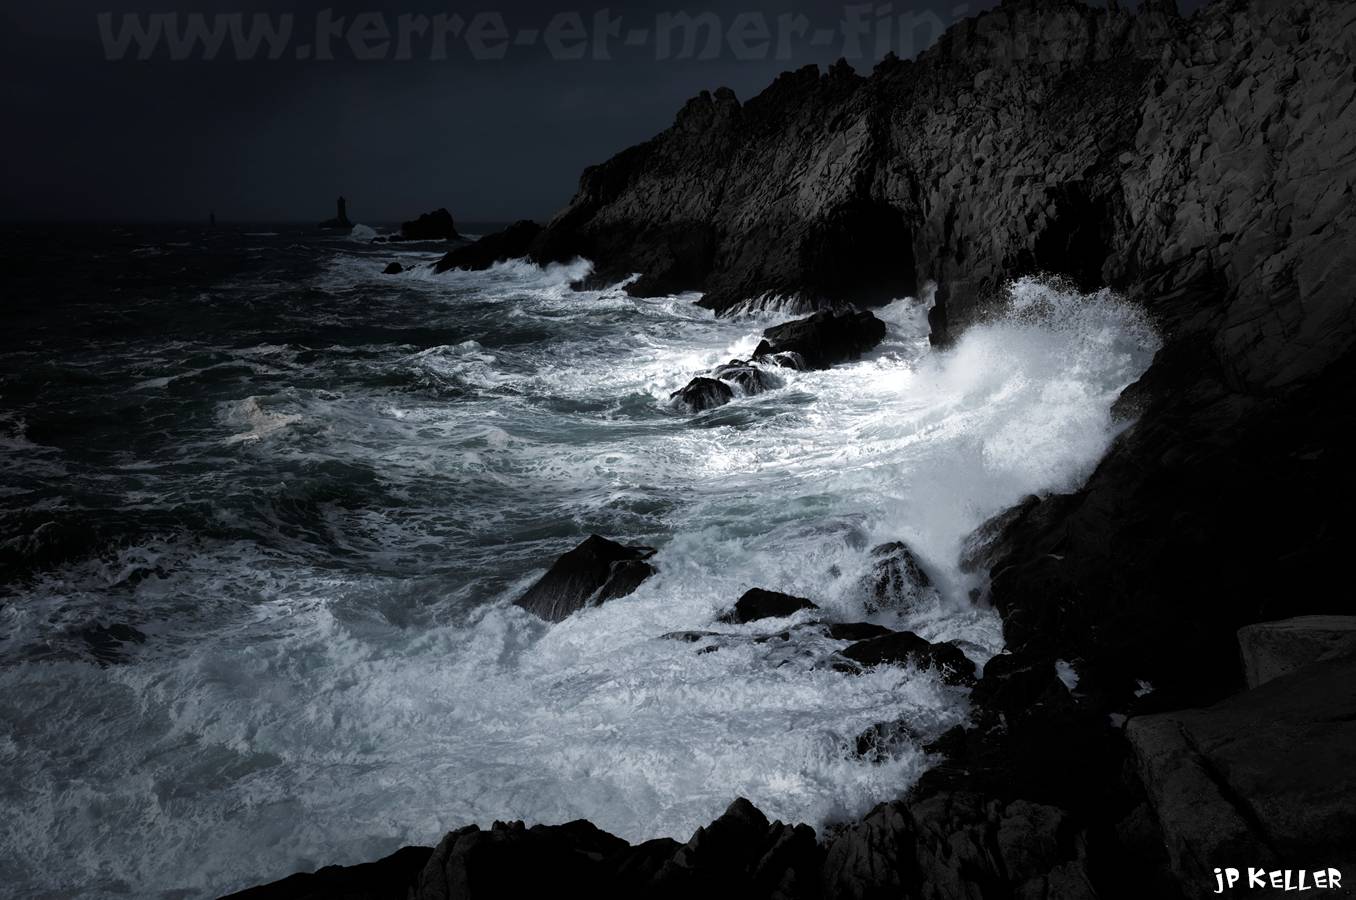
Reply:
x=263, y=508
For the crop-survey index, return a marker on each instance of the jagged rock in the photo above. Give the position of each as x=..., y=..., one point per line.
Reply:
x=390, y=878
x=757, y=603
x=431, y=226
x=897, y=582
x=514, y=242
x=394, y=268
x=1271, y=649
x=1267, y=776
x=701, y=394
x=979, y=546
x=824, y=339
x=904, y=648
x=884, y=740
x=740, y=854
x=596, y=571
x=750, y=379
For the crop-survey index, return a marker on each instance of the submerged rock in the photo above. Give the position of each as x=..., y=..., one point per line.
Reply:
x=513, y=242
x=431, y=226
x=109, y=643
x=824, y=339
x=905, y=648
x=760, y=604
x=701, y=394
x=596, y=571
x=394, y=268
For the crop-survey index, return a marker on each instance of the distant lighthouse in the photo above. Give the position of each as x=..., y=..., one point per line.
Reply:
x=341, y=219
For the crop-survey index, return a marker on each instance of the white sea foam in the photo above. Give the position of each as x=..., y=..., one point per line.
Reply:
x=289, y=715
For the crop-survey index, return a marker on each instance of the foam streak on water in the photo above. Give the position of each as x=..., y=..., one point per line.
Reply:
x=320, y=546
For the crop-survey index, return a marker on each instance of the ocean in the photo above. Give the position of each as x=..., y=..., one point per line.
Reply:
x=264, y=509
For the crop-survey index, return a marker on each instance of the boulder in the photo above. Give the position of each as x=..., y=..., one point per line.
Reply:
x=431, y=226
x=760, y=604
x=1265, y=778
x=1271, y=649
x=896, y=583
x=701, y=394
x=749, y=378
x=513, y=242
x=596, y=571
x=826, y=338
x=394, y=268
x=906, y=648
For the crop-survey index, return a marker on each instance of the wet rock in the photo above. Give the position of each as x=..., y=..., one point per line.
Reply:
x=906, y=648
x=592, y=573
x=857, y=631
x=826, y=338
x=760, y=604
x=688, y=637
x=1271, y=649
x=897, y=582
x=431, y=226
x=885, y=740
x=740, y=854
x=109, y=643
x=749, y=378
x=514, y=242
x=701, y=394
x=394, y=268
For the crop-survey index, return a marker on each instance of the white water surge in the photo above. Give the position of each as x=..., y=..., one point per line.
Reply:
x=287, y=718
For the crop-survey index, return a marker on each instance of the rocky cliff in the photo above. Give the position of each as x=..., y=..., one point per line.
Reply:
x=1203, y=167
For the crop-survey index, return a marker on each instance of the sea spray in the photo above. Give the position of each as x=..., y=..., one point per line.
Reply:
x=320, y=531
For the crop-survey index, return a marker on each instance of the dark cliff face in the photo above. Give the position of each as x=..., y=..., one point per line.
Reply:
x=1203, y=167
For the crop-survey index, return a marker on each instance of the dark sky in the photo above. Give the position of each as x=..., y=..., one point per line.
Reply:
x=276, y=139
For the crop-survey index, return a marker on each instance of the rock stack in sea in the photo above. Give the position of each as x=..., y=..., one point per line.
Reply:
x=1203, y=167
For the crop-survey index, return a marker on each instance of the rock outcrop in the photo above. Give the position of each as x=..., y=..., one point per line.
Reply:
x=757, y=603
x=431, y=226
x=700, y=394
x=825, y=339
x=896, y=583
x=596, y=571
x=513, y=242
x=906, y=648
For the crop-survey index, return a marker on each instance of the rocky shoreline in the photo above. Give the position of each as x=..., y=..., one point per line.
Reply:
x=1202, y=167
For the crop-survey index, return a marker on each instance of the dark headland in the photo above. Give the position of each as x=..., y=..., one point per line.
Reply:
x=1201, y=167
